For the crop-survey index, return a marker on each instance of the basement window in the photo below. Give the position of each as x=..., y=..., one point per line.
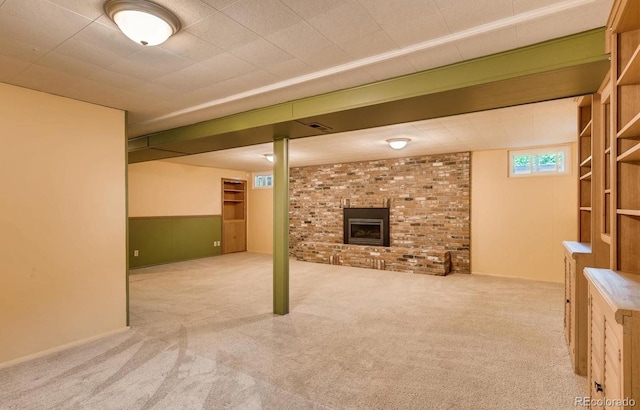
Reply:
x=261, y=181
x=540, y=161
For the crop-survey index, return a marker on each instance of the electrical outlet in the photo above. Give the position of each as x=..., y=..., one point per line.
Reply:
x=135, y=252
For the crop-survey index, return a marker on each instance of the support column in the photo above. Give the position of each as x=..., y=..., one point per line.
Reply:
x=281, y=226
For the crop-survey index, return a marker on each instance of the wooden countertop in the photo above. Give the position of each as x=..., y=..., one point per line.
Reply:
x=577, y=247
x=620, y=290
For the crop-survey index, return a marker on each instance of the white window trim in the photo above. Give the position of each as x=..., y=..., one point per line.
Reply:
x=568, y=160
x=256, y=174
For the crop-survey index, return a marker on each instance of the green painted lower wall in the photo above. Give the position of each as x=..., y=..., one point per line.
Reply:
x=173, y=238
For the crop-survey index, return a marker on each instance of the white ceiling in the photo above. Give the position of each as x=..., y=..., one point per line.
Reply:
x=528, y=125
x=232, y=56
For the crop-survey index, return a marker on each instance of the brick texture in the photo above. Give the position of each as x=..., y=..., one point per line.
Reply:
x=429, y=208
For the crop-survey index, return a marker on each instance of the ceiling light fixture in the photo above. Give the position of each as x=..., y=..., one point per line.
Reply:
x=398, y=143
x=142, y=21
x=268, y=157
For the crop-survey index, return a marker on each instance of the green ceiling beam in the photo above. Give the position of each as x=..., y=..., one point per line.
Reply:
x=572, y=51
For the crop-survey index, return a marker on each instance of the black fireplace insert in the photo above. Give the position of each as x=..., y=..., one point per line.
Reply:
x=366, y=226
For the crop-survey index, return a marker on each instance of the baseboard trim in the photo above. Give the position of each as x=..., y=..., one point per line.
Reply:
x=61, y=348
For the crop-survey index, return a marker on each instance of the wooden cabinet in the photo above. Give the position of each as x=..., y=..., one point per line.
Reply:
x=577, y=257
x=234, y=224
x=614, y=338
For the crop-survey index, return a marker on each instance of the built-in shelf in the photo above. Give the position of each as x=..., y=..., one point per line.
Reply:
x=586, y=177
x=607, y=191
x=234, y=200
x=586, y=131
x=607, y=151
x=628, y=212
x=233, y=190
x=585, y=208
x=586, y=162
x=606, y=238
x=630, y=155
x=632, y=129
x=631, y=73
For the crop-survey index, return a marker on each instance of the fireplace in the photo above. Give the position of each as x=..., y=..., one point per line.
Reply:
x=366, y=226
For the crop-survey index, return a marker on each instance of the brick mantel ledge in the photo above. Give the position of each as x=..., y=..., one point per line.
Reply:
x=399, y=259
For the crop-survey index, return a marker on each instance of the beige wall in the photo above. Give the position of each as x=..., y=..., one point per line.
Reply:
x=62, y=222
x=260, y=220
x=518, y=224
x=160, y=188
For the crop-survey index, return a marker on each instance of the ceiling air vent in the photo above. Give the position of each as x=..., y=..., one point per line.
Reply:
x=319, y=127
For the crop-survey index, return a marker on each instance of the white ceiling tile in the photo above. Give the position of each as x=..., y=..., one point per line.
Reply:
x=392, y=68
x=598, y=14
x=11, y=67
x=311, y=8
x=261, y=53
x=19, y=50
x=351, y=78
x=289, y=68
x=219, y=4
x=327, y=57
x=554, y=26
x=104, y=38
x=460, y=15
x=222, y=31
x=262, y=16
x=299, y=39
x=370, y=44
x=188, y=11
x=189, y=79
x=417, y=30
x=521, y=6
x=434, y=57
x=38, y=22
x=488, y=43
x=344, y=23
x=87, y=53
x=189, y=46
x=114, y=79
x=160, y=59
x=68, y=65
x=90, y=9
x=397, y=12
x=226, y=65
x=137, y=69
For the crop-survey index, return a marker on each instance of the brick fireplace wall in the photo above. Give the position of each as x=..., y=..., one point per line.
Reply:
x=428, y=197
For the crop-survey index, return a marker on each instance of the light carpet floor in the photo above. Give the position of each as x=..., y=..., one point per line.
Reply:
x=203, y=337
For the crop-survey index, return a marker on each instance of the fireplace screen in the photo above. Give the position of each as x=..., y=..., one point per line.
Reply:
x=366, y=226
x=366, y=231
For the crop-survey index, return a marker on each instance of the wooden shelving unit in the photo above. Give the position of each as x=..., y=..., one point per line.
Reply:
x=614, y=294
x=234, y=226
x=585, y=158
x=606, y=140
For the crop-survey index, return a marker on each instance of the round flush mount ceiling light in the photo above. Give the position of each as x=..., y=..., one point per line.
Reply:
x=398, y=143
x=268, y=157
x=142, y=21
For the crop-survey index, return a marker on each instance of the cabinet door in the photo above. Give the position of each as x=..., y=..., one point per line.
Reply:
x=567, y=304
x=234, y=236
x=596, y=351
x=612, y=371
